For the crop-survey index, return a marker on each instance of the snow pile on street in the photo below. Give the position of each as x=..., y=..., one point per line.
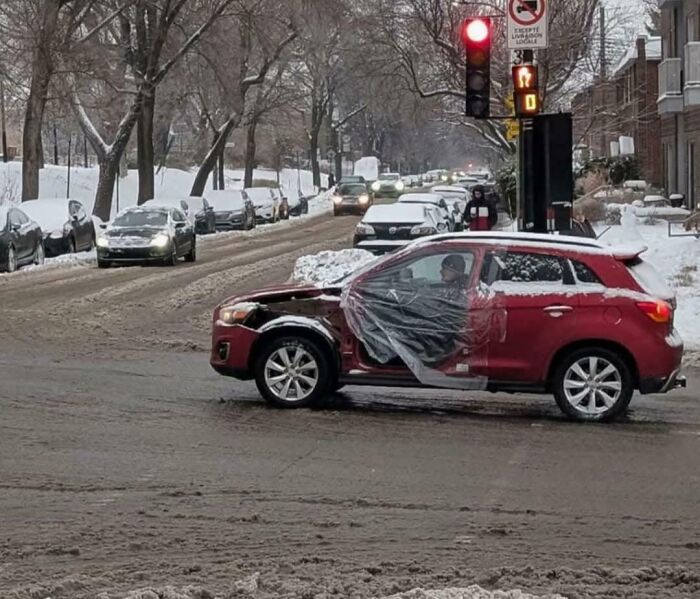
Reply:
x=471, y=592
x=327, y=267
x=63, y=261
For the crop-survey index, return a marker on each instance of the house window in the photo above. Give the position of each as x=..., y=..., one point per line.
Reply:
x=691, y=27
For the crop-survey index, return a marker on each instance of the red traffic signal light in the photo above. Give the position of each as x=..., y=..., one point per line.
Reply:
x=476, y=31
x=476, y=35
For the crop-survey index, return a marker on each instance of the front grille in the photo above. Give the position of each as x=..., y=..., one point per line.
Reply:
x=393, y=231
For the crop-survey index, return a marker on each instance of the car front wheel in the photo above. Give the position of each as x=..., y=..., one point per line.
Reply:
x=593, y=384
x=191, y=256
x=293, y=372
x=39, y=254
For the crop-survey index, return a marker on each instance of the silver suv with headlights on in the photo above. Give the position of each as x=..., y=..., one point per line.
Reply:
x=389, y=185
x=351, y=198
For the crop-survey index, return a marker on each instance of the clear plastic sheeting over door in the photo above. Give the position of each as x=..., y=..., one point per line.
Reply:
x=428, y=313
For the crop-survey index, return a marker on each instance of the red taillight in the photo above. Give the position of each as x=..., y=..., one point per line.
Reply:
x=658, y=311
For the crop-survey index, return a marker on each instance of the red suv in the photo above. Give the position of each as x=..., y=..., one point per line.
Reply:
x=491, y=311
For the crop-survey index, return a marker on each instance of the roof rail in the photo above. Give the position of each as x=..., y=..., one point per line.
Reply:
x=516, y=237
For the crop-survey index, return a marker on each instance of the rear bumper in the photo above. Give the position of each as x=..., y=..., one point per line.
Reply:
x=663, y=384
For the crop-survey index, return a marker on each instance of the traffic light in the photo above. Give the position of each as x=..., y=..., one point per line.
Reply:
x=526, y=85
x=476, y=35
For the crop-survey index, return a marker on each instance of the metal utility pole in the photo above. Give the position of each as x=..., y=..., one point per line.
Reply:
x=55, y=144
x=5, y=157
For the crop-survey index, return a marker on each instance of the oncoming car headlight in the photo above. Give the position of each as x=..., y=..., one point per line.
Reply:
x=399, y=185
x=363, y=199
x=337, y=199
x=160, y=241
x=376, y=186
x=102, y=242
x=236, y=313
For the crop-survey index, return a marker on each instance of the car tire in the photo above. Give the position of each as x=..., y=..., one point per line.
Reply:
x=593, y=384
x=39, y=255
x=314, y=367
x=191, y=256
x=11, y=265
x=172, y=259
x=72, y=248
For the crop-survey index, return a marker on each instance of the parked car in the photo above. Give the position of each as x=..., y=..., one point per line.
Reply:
x=266, y=202
x=66, y=226
x=21, y=240
x=388, y=185
x=387, y=227
x=443, y=211
x=197, y=209
x=142, y=234
x=232, y=209
x=298, y=203
x=352, y=179
x=351, y=198
x=457, y=198
x=538, y=314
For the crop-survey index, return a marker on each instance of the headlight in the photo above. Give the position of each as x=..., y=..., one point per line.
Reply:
x=337, y=199
x=161, y=240
x=376, y=186
x=399, y=186
x=237, y=313
x=363, y=199
x=102, y=242
x=363, y=229
x=420, y=230
x=443, y=178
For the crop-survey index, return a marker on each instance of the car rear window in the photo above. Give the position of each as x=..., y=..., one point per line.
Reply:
x=584, y=274
x=522, y=267
x=649, y=279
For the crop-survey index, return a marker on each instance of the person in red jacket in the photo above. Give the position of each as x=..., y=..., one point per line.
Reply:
x=480, y=214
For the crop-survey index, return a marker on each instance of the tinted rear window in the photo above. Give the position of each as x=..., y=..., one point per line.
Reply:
x=522, y=267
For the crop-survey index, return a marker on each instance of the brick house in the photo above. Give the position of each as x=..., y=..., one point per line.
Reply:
x=679, y=98
x=619, y=114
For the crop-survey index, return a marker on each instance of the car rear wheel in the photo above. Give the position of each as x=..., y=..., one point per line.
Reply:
x=11, y=265
x=39, y=254
x=71, y=245
x=191, y=256
x=593, y=384
x=293, y=372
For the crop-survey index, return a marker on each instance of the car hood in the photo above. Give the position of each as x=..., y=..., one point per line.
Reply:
x=143, y=232
x=284, y=293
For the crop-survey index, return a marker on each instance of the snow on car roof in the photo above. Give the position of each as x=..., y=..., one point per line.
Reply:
x=543, y=240
x=50, y=214
x=420, y=198
x=259, y=195
x=225, y=199
x=4, y=209
x=393, y=213
x=169, y=202
x=145, y=208
x=452, y=188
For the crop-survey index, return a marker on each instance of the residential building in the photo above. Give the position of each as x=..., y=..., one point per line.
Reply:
x=618, y=115
x=679, y=98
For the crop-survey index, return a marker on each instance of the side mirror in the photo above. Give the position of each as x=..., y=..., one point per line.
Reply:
x=103, y=225
x=180, y=225
x=16, y=226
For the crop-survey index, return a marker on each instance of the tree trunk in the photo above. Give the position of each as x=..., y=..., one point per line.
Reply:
x=145, y=153
x=222, y=183
x=313, y=148
x=109, y=166
x=42, y=69
x=209, y=162
x=250, y=150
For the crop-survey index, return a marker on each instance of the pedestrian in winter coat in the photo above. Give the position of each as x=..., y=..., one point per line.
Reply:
x=331, y=180
x=581, y=226
x=480, y=214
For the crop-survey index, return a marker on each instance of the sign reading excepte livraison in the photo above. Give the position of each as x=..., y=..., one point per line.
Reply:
x=527, y=24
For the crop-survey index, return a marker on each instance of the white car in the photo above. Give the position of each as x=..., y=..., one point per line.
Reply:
x=388, y=185
x=266, y=202
x=435, y=200
x=387, y=227
x=456, y=198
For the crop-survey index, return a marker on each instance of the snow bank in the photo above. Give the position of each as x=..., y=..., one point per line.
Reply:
x=327, y=267
x=471, y=592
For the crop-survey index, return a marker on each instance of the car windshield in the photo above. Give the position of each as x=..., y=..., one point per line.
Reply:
x=142, y=218
x=352, y=190
x=389, y=177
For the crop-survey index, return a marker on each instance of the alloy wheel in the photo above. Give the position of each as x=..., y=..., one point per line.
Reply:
x=39, y=254
x=11, y=260
x=592, y=385
x=291, y=373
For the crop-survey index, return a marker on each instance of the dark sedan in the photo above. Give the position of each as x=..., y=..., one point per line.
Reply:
x=143, y=234
x=20, y=240
x=233, y=209
x=66, y=225
x=351, y=198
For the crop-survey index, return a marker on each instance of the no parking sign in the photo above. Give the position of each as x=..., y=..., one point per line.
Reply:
x=527, y=24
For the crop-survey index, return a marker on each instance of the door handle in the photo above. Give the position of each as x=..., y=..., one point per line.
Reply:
x=557, y=309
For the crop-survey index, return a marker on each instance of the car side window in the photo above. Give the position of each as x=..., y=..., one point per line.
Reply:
x=584, y=274
x=426, y=270
x=178, y=216
x=523, y=267
x=205, y=204
x=14, y=218
x=184, y=206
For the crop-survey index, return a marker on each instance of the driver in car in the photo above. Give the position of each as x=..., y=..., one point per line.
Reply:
x=452, y=272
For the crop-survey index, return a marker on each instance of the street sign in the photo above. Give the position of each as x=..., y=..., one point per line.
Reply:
x=528, y=24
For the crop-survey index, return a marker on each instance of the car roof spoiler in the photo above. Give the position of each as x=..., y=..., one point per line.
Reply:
x=628, y=252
